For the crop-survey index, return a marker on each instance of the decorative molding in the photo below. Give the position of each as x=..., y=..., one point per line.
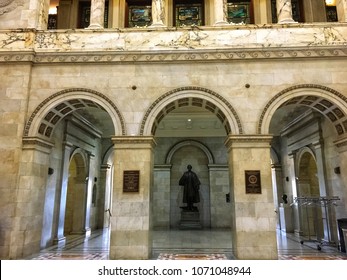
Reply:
x=35, y=143
x=133, y=141
x=248, y=141
x=160, y=56
x=10, y=57
x=7, y=6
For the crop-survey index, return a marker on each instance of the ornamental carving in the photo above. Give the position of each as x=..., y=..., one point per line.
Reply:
x=9, y=5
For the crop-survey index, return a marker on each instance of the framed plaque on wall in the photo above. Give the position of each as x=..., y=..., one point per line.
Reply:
x=253, y=183
x=131, y=180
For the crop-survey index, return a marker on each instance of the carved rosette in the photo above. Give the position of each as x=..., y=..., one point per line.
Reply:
x=9, y=5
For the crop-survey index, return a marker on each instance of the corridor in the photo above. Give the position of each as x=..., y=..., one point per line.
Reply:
x=195, y=243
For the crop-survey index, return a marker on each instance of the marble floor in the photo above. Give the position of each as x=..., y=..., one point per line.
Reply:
x=208, y=242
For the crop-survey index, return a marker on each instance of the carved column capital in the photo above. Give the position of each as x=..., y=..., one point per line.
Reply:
x=248, y=141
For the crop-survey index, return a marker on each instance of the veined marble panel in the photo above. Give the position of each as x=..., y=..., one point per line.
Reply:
x=191, y=44
x=187, y=39
x=267, y=36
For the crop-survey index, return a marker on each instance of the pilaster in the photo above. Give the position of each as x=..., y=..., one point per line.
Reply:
x=253, y=215
x=62, y=192
x=131, y=213
x=341, y=145
x=104, y=192
x=26, y=232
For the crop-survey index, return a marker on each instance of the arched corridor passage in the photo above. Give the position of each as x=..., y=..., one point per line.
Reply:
x=69, y=133
x=307, y=122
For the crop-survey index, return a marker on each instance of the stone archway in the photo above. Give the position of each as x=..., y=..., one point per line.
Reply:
x=46, y=160
x=326, y=101
x=53, y=109
x=191, y=96
x=76, y=198
x=319, y=122
x=310, y=216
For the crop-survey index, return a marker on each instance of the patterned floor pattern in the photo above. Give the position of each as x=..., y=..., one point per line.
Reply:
x=192, y=257
x=69, y=256
x=313, y=257
x=185, y=245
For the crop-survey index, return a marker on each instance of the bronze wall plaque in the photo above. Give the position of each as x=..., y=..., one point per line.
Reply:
x=253, y=184
x=131, y=180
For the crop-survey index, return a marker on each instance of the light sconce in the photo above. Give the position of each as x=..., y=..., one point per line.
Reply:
x=330, y=2
x=53, y=11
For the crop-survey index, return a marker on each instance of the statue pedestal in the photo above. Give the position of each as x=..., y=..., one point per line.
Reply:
x=190, y=220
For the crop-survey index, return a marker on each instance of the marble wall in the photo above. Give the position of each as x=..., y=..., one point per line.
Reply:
x=245, y=69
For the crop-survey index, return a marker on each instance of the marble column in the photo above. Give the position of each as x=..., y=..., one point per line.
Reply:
x=220, y=12
x=253, y=216
x=131, y=212
x=158, y=13
x=341, y=6
x=297, y=211
x=321, y=172
x=276, y=171
x=62, y=192
x=97, y=14
x=284, y=11
x=89, y=192
x=341, y=145
x=104, y=192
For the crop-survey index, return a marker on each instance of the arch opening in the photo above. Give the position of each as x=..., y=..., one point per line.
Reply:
x=306, y=121
x=190, y=128
x=194, y=100
x=92, y=105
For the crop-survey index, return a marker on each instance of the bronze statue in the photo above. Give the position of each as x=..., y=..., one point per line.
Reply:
x=191, y=184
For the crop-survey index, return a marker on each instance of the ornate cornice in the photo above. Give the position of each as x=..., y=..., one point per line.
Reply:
x=35, y=143
x=17, y=56
x=248, y=141
x=189, y=55
x=134, y=142
x=160, y=56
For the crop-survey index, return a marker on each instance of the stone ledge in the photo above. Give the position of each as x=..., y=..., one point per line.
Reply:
x=172, y=56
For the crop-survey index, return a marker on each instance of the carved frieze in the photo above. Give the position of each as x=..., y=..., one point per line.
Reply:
x=164, y=57
x=9, y=5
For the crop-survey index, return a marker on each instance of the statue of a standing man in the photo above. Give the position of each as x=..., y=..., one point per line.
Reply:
x=191, y=184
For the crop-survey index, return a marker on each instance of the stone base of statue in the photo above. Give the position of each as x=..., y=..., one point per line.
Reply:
x=190, y=219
